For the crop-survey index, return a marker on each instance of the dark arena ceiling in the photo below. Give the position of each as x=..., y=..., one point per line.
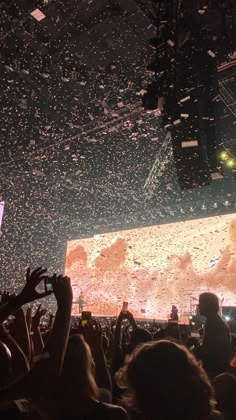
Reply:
x=76, y=145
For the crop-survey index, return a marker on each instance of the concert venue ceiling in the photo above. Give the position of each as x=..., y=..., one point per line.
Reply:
x=76, y=145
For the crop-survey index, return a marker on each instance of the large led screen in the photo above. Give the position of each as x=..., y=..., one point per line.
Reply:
x=154, y=267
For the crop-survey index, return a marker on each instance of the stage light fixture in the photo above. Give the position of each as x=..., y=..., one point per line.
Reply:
x=215, y=205
x=204, y=207
x=188, y=152
x=226, y=203
x=188, y=111
x=231, y=163
x=224, y=155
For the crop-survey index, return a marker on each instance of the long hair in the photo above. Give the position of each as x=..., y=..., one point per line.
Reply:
x=77, y=380
x=225, y=388
x=163, y=379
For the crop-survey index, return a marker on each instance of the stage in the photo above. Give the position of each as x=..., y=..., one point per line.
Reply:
x=155, y=267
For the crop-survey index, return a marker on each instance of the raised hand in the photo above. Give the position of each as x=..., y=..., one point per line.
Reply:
x=50, y=321
x=28, y=317
x=125, y=315
x=6, y=297
x=37, y=317
x=29, y=292
x=62, y=290
x=121, y=317
x=93, y=335
x=129, y=316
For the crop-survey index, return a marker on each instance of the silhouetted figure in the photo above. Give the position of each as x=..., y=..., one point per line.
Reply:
x=81, y=302
x=165, y=381
x=216, y=350
x=225, y=390
x=174, y=314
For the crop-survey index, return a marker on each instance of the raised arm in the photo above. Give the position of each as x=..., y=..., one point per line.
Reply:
x=93, y=335
x=20, y=365
x=117, y=350
x=21, y=333
x=42, y=379
x=58, y=339
x=28, y=293
x=37, y=338
x=130, y=318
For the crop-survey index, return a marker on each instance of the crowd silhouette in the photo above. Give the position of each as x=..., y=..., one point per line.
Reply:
x=59, y=367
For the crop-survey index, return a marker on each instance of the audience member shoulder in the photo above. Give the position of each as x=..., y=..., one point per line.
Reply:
x=115, y=412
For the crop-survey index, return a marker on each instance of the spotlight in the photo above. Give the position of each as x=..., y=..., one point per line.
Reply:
x=191, y=209
x=182, y=211
x=226, y=203
x=227, y=318
x=228, y=157
x=231, y=163
x=215, y=205
x=224, y=155
x=204, y=207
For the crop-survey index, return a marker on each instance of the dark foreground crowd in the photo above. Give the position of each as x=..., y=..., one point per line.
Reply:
x=61, y=369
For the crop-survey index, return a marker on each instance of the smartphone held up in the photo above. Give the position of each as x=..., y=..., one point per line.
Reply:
x=85, y=318
x=125, y=308
x=48, y=286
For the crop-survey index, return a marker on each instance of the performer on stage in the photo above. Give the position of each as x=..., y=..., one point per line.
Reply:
x=80, y=301
x=174, y=314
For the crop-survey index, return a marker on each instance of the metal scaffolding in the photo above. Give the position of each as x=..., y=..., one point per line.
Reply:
x=227, y=97
x=163, y=157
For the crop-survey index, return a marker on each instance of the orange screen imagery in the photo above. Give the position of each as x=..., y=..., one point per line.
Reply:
x=154, y=267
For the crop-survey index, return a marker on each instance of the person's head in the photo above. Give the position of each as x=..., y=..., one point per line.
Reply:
x=225, y=390
x=163, y=379
x=77, y=379
x=208, y=304
x=5, y=365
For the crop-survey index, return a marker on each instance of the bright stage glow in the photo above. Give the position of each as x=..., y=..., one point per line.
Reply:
x=155, y=267
x=224, y=155
x=231, y=163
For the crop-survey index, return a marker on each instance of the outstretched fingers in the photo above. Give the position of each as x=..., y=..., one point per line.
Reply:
x=36, y=275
